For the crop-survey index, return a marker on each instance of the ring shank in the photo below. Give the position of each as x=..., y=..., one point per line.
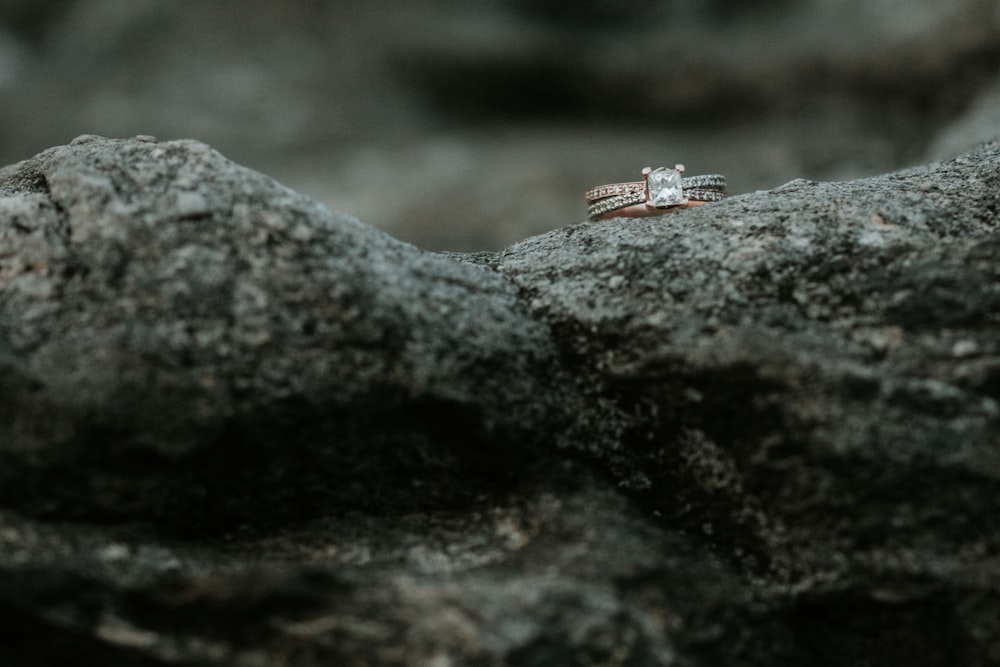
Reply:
x=643, y=211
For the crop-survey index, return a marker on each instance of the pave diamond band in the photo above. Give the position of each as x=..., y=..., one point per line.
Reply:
x=661, y=190
x=709, y=181
x=598, y=209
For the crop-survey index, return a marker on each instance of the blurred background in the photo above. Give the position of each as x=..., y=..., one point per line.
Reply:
x=467, y=126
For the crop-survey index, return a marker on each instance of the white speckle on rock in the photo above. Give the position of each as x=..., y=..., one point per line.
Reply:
x=114, y=553
x=872, y=239
x=302, y=233
x=116, y=631
x=191, y=204
x=439, y=660
x=799, y=242
x=964, y=348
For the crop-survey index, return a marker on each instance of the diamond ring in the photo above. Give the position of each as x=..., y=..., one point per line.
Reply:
x=660, y=190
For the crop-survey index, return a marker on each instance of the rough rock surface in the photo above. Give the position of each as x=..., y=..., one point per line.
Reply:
x=511, y=107
x=236, y=428
x=184, y=312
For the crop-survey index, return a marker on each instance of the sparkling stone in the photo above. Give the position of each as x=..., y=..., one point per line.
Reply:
x=663, y=187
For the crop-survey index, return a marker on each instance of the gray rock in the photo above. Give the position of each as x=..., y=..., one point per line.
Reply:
x=162, y=304
x=815, y=366
x=763, y=431
x=526, y=581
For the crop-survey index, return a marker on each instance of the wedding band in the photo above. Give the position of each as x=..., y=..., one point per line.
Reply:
x=709, y=181
x=614, y=207
x=660, y=190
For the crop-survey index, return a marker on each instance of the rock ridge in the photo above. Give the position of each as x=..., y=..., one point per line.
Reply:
x=239, y=428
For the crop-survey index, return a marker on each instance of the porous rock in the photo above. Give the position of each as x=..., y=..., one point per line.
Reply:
x=815, y=366
x=763, y=431
x=171, y=321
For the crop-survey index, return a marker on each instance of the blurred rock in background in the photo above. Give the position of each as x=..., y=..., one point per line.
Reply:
x=469, y=126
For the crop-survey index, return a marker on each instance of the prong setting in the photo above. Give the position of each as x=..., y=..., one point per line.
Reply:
x=664, y=187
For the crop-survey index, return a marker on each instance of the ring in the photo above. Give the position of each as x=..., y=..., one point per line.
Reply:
x=660, y=190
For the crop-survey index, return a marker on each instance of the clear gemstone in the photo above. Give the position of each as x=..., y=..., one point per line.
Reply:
x=663, y=187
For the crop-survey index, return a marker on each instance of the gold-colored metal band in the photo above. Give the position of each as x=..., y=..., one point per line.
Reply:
x=634, y=205
x=705, y=182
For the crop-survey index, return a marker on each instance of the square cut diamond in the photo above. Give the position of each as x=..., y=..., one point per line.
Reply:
x=663, y=188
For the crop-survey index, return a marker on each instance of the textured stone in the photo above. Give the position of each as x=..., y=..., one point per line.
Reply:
x=761, y=431
x=161, y=304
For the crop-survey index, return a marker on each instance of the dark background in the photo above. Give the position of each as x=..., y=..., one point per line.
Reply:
x=468, y=126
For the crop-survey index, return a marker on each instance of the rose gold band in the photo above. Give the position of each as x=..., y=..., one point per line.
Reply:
x=624, y=204
x=706, y=182
x=643, y=211
x=614, y=190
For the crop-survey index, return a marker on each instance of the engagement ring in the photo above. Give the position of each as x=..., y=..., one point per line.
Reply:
x=660, y=191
